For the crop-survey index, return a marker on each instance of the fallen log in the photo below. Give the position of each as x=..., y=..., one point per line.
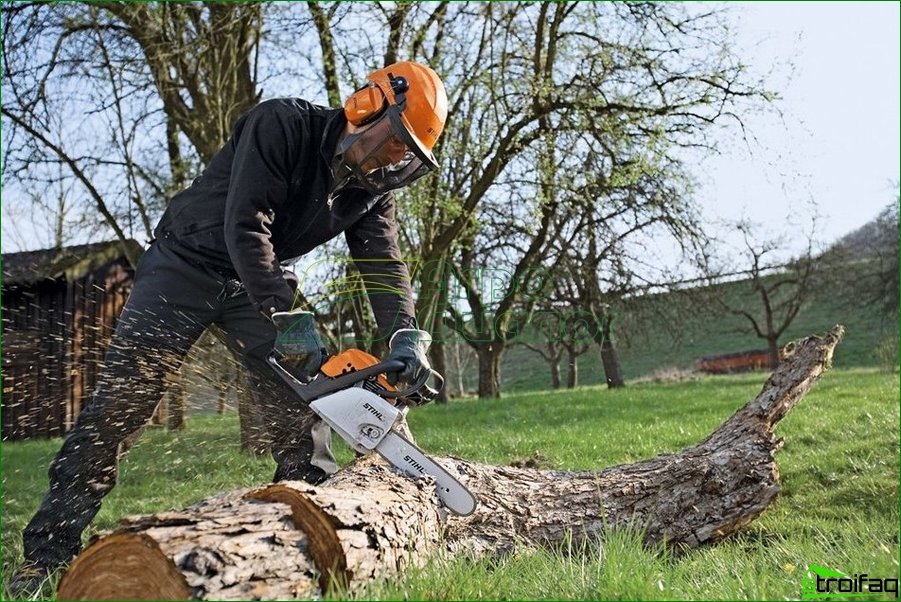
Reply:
x=293, y=540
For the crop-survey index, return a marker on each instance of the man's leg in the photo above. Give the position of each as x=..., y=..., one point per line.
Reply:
x=154, y=332
x=301, y=442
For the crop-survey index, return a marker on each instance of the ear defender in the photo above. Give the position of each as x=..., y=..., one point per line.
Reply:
x=364, y=105
x=367, y=103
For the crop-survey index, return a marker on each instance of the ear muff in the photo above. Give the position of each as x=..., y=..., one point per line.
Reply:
x=367, y=103
x=364, y=105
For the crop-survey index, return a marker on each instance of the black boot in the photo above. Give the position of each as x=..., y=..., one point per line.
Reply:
x=305, y=472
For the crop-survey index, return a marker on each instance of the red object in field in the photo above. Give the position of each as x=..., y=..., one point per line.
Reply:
x=741, y=361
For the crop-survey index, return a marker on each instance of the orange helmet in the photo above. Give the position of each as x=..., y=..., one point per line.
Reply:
x=414, y=89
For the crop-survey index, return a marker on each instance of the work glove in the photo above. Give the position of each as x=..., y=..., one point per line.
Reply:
x=410, y=346
x=299, y=342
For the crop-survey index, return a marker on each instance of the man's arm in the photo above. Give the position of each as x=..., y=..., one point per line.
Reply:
x=267, y=145
x=373, y=245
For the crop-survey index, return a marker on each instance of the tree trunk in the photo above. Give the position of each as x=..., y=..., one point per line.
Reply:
x=178, y=404
x=489, y=370
x=773, y=346
x=555, y=372
x=366, y=522
x=438, y=359
x=459, y=367
x=572, y=375
x=221, y=398
x=609, y=357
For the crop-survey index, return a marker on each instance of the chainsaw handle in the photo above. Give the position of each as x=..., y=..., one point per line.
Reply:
x=421, y=386
x=319, y=387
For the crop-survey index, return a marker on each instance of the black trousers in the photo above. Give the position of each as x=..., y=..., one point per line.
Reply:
x=172, y=303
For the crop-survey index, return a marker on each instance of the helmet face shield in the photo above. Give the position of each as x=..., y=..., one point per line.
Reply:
x=386, y=155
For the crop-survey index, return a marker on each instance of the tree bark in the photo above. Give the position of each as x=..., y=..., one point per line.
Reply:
x=489, y=370
x=609, y=357
x=293, y=539
x=438, y=357
x=572, y=375
x=773, y=347
x=177, y=420
x=555, y=373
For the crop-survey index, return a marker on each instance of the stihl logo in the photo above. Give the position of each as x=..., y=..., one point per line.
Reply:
x=414, y=464
x=373, y=411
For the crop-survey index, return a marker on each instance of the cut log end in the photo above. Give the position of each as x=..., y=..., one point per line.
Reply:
x=120, y=567
x=325, y=545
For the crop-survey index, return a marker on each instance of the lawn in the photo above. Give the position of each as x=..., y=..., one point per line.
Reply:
x=838, y=509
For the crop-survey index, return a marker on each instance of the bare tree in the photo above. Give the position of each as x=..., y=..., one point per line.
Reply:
x=862, y=267
x=151, y=76
x=492, y=153
x=546, y=324
x=147, y=75
x=556, y=332
x=775, y=290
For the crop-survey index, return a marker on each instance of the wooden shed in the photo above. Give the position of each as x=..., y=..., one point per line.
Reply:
x=59, y=310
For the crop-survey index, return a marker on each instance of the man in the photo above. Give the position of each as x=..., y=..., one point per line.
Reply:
x=292, y=176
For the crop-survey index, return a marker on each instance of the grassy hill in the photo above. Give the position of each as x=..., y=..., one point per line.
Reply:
x=646, y=346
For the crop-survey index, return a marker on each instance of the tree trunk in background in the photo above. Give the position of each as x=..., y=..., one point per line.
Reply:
x=430, y=307
x=438, y=359
x=609, y=357
x=367, y=522
x=489, y=370
x=572, y=376
x=221, y=398
x=177, y=419
x=611, y=366
x=460, y=365
x=555, y=373
x=773, y=346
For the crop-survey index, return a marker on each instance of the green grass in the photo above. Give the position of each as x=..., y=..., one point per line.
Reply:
x=839, y=506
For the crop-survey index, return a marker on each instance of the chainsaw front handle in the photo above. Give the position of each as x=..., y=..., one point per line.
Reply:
x=420, y=386
x=323, y=386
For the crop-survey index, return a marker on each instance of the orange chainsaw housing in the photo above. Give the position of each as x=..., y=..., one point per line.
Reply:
x=352, y=360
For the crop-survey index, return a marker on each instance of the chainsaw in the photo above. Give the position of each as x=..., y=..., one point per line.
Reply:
x=352, y=394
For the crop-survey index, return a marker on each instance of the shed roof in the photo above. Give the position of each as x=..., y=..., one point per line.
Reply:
x=67, y=263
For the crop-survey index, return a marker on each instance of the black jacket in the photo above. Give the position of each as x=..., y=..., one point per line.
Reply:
x=264, y=200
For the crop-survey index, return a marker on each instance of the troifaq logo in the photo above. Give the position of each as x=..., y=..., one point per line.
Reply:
x=828, y=583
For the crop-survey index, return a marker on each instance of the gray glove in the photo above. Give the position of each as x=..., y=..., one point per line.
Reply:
x=298, y=341
x=410, y=346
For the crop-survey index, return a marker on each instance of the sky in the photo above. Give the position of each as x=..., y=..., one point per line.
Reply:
x=836, y=145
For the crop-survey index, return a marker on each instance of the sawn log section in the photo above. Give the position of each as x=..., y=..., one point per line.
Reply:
x=291, y=539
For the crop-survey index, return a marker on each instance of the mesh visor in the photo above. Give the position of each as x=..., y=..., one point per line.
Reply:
x=391, y=157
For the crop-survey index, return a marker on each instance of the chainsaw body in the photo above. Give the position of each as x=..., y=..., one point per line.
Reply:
x=352, y=394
